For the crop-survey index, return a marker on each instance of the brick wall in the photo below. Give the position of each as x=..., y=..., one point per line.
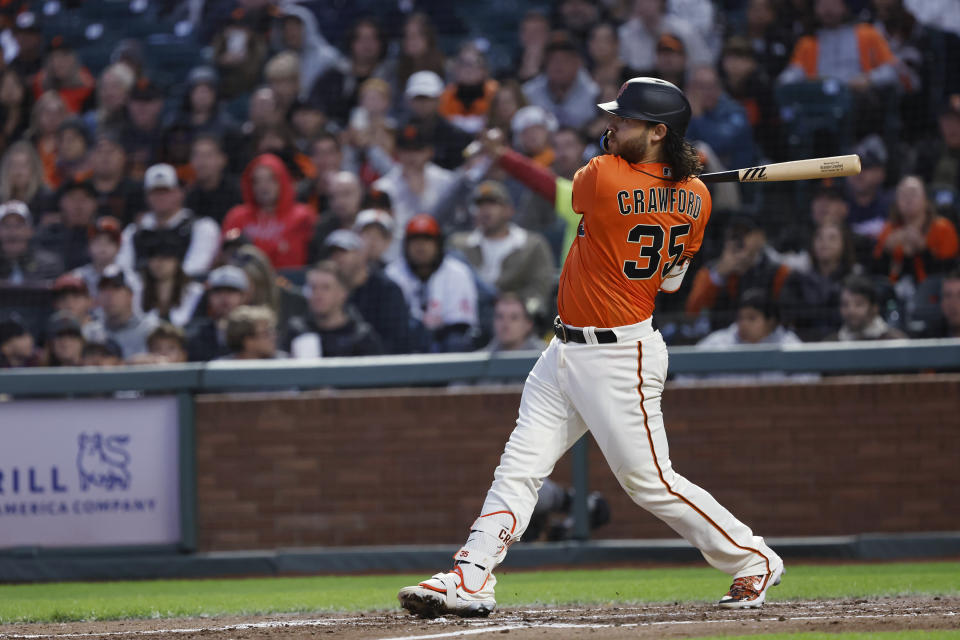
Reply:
x=848, y=455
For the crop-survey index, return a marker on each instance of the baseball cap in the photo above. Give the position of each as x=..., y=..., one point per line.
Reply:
x=26, y=21
x=491, y=191
x=344, y=239
x=203, y=75
x=828, y=190
x=378, y=199
x=75, y=124
x=109, y=135
x=103, y=346
x=69, y=283
x=670, y=42
x=15, y=207
x=738, y=46
x=59, y=43
x=113, y=276
x=106, y=225
x=11, y=327
x=872, y=152
x=162, y=242
x=228, y=277
x=160, y=176
x=414, y=136
x=530, y=116
x=368, y=217
x=74, y=183
x=561, y=41
x=741, y=223
x=63, y=322
x=424, y=83
x=422, y=224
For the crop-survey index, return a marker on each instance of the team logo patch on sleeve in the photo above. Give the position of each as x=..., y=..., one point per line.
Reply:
x=667, y=173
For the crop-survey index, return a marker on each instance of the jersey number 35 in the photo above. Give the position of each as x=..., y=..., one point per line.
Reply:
x=652, y=251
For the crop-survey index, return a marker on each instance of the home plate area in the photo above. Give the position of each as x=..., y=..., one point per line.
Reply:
x=647, y=621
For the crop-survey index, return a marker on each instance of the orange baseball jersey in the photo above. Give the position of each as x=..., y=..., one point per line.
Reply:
x=636, y=225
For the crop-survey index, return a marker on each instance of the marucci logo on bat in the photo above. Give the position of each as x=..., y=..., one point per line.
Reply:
x=754, y=174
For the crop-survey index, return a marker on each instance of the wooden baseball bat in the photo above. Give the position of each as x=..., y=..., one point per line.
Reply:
x=812, y=169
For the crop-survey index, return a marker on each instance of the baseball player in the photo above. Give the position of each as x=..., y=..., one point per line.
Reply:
x=643, y=217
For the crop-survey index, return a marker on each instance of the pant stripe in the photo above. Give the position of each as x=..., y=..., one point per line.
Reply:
x=656, y=462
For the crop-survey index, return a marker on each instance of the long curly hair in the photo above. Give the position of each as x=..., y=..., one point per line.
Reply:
x=682, y=157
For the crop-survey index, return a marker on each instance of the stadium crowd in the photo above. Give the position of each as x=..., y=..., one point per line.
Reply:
x=195, y=180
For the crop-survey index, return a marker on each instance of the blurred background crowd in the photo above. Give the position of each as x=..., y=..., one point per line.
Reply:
x=205, y=179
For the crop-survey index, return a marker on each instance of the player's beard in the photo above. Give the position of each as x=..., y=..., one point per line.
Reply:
x=634, y=150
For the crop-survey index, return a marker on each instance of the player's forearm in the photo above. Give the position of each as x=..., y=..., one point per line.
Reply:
x=542, y=181
x=703, y=293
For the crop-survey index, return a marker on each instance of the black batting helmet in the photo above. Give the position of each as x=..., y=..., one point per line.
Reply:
x=653, y=100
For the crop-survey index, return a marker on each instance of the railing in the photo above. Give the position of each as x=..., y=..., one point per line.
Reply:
x=412, y=370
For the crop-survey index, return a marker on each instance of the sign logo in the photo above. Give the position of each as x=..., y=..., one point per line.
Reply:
x=102, y=461
x=754, y=174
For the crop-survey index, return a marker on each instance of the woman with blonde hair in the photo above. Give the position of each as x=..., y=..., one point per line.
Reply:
x=21, y=178
x=266, y=287
x=113, y=93
x=915, y=240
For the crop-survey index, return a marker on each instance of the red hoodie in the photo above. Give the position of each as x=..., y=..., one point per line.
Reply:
x=284, y=234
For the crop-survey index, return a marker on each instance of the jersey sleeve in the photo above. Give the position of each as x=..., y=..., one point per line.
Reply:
x=585, y=187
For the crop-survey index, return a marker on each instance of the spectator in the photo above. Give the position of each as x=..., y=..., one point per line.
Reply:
x=122, y=322
x=867, y=198
x=377, y=298
x=308, y=121
x=860, y=311
x=719, y=120
x=113, y=93
x=639, y=35
x=423, y=94
x=871, y=74
x=533, y=36
x=745, y=263
x=505, y=103
x=758, y=322
x=20, y=261
x=165, y=345
x=17, y=348
x=214, y=191
x=565, y=89
x=263, y=113
x=338, y=87
x=375, y=228
x=252, y=334
x=915, y=241
x=30, y=45
x=371, y=131
x=15, y=105
x=270, y=216
x=198, y=238
x=239, y=50
x=770, y=41
x=201, y=111
x=64, y=341
x=168, y=292
x=747, y=83
x=103, y=246
x=603, y=48
x=949, y=327
x=282, y=73
x=415, y=184
x=577, y=17
x=72, y=145
x=439, y=289
x=102, y=353
x=49, y=111
x=118, y=195
x=62, y=72
x=266, y=287
x=298, y=32
x=531, y=127
x=142, y=135
x=71, y=296
x=935, y=162
x=227, y=288
x=513, y=326
x=670, y=62
x=570, y=148
x=506, y=257
x=466, y=101
x=327, y=158
x=332, y=328
x=68, y=237
x=346, y=196
x=21, y=178
x=418, y=51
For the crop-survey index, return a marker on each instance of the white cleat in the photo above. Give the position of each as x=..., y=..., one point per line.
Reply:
x=444, y=594
x=749, y=592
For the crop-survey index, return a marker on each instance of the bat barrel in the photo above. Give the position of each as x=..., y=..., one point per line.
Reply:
x=810, y=169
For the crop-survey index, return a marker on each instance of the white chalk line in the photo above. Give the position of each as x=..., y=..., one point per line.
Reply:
x=326, y=622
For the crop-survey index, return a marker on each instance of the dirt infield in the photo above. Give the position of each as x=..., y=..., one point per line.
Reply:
x=603, y=623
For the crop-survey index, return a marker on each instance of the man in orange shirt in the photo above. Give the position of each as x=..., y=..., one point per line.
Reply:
x=643, y=217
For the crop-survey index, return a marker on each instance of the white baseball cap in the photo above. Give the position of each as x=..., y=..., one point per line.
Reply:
x=15, y=207
x=530, y=116
x=424, y=83
x=160, y=176
x=374, y=216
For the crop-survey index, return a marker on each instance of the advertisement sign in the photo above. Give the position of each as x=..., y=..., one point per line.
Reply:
x=78, y=473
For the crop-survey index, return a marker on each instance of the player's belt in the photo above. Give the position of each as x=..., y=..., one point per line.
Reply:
x=569, y=334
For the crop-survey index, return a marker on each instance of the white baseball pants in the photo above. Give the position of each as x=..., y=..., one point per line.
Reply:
x=614, y=391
